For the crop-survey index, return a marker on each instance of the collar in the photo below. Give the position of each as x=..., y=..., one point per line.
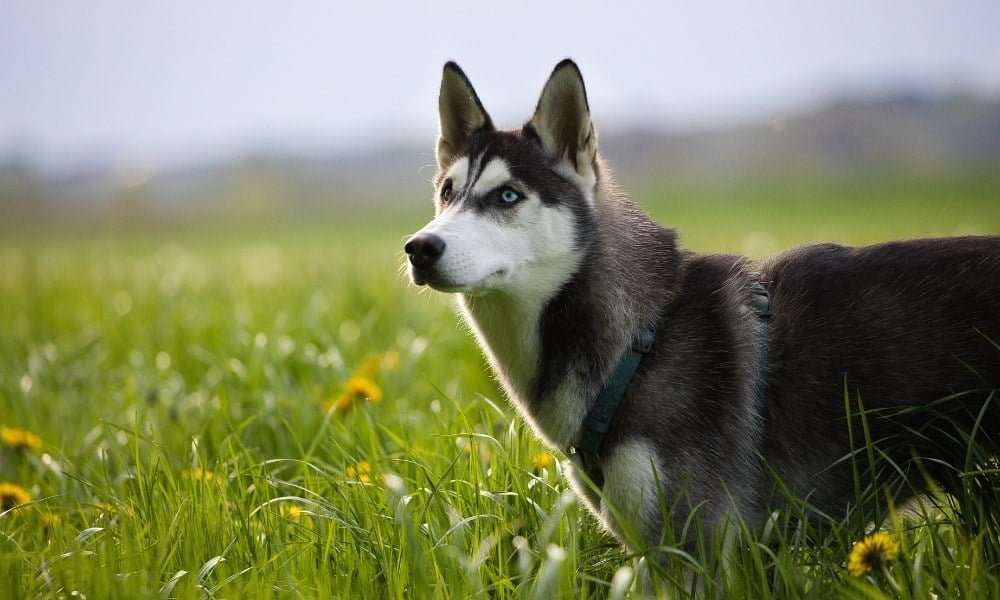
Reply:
x=598, y=419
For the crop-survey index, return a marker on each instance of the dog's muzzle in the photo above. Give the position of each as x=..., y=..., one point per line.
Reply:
x=423, y=250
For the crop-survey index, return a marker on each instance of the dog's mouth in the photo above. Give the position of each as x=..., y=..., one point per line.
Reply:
x=437, y=282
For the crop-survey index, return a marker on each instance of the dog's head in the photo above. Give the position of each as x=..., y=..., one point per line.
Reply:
x=511, y=207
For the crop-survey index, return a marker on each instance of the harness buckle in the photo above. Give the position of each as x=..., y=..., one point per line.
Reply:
x=761, y=301
x=644, y=341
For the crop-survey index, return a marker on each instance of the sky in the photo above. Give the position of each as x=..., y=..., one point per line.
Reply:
x=181, y=81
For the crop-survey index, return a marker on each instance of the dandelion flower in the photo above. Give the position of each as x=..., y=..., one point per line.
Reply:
x=20, y=439
x=12, y=496
x=356, y=389
x=200, y=474
x=48, y=520
x=871, y=553
x=361, y=471
x=203, y=475
x=542, y=461
x=294, y=512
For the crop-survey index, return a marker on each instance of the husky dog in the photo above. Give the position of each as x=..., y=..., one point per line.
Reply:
x=744, y=381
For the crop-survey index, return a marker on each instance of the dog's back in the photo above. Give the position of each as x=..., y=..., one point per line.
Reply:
x=896, y=325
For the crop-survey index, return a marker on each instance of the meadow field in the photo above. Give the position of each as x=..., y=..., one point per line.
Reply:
x=268, y=408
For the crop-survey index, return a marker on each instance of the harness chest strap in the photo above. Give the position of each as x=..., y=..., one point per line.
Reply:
x=598, y=419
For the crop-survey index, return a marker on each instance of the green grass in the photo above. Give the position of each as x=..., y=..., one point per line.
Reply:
x=140, y=356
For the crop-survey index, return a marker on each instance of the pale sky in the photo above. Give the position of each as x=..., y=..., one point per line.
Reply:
x=180, y=81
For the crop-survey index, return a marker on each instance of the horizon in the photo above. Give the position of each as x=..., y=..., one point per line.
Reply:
x=128, y=166
x=186, y=84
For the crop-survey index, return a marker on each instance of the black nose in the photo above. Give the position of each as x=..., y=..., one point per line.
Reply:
x=424, y=249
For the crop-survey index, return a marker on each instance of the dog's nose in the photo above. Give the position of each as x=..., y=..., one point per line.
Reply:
x=424, y=249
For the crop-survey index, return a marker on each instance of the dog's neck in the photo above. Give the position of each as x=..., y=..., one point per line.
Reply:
x=507, y=329
x=552, y=349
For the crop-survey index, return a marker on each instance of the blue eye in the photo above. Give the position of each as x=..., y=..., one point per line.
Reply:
x=509, y=196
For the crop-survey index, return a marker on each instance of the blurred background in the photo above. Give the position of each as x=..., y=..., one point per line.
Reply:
x=115, y=116
x=202, y=214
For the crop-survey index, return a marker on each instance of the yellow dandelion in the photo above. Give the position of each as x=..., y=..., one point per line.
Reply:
x=200, y=474
x=871, y=553
x=12, y=496
x=47, y=520
x=293, y=512
x=297, y=514
x=542, y=461
x=339, y=404
x=361, y=471
x=356, y=389
x=20, y=439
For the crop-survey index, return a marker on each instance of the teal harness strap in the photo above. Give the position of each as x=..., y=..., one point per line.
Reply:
x=598, y=420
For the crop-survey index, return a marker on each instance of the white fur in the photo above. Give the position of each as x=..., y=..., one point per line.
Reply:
x=630, y=487
x=492, y=176
x=474, y=259
x=507, y=270
x=585, y=179
x=529, y=256
x=458, y=173
x=507, y=331
x=539, y=249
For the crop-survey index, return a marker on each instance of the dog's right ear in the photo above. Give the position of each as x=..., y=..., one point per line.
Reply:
x=460, y=113
x=562, y=120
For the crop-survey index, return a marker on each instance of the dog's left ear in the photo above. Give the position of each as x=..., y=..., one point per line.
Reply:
x=562, y=119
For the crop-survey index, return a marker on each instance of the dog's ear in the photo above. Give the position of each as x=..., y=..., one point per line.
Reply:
x=460, y=113
x=562, y=119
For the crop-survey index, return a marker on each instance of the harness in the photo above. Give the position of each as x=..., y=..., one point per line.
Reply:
x=598, y=420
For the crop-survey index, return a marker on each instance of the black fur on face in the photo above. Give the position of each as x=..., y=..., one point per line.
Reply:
x=530, y=165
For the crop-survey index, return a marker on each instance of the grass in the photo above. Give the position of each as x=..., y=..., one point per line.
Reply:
x=177, y=379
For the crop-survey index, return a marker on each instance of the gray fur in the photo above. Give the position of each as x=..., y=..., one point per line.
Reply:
x=901, y=324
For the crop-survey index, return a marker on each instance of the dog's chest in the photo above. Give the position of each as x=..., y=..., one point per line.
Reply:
x=508, y=334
